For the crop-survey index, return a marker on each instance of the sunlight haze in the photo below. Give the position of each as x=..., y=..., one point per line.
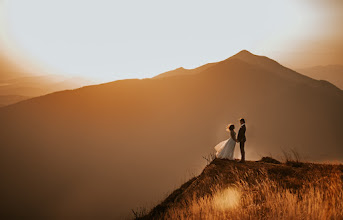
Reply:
x=110, y=40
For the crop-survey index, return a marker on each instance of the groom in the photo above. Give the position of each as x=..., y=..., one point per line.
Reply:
x=242, y=139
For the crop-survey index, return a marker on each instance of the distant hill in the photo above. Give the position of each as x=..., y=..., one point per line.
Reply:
x=16, y=84
x=40, y=85
x=31, y=86
x=256, y=190
x=330, y=73
x=102, y=150
x=11, y=99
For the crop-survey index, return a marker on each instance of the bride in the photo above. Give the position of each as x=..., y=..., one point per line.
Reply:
x=226, y=148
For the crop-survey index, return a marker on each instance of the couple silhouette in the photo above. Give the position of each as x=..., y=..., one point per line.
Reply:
x=226, y=148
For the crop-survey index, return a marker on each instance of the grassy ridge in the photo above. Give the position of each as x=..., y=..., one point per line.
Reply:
x=257, y=190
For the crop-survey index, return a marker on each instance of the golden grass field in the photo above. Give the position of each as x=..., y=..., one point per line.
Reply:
x=257, y=190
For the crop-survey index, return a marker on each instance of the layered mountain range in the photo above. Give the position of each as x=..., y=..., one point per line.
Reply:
x=16, y=84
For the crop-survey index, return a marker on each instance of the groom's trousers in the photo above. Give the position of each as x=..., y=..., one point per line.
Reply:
x=241, y=144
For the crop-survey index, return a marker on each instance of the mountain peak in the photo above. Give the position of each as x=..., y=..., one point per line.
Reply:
x=243, y=54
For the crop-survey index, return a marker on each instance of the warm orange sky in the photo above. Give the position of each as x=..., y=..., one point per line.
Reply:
x=108, y=40
x=325, y=46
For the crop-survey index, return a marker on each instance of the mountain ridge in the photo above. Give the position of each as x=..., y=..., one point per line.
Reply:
x=330, y=73
x=246, y=56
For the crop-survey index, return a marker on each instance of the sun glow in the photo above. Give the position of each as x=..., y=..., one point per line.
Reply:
x=110, y=40
x=226, y=199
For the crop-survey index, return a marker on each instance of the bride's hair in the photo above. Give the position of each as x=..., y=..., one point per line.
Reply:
x=231, y=127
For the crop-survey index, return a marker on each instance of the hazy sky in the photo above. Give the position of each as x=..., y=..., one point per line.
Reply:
x=108, y=40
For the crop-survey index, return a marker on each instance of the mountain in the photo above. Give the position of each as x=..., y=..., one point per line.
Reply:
x=265, y=189
x=330, y=73
x=31, y=86
x=16, y=84
x=105, y=149
x=246, y=56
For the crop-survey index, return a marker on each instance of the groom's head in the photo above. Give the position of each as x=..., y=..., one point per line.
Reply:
x=242, y=121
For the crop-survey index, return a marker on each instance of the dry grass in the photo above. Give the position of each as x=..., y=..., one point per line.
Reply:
x=228, y=190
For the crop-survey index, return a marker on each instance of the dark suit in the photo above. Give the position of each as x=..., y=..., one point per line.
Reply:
x=242, y=139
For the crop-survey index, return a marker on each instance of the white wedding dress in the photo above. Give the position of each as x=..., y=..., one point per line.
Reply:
x=225, y=149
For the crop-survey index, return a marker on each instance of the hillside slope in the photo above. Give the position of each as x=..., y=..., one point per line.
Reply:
x=257, y=190
x=330, y=73
x=87, y=148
